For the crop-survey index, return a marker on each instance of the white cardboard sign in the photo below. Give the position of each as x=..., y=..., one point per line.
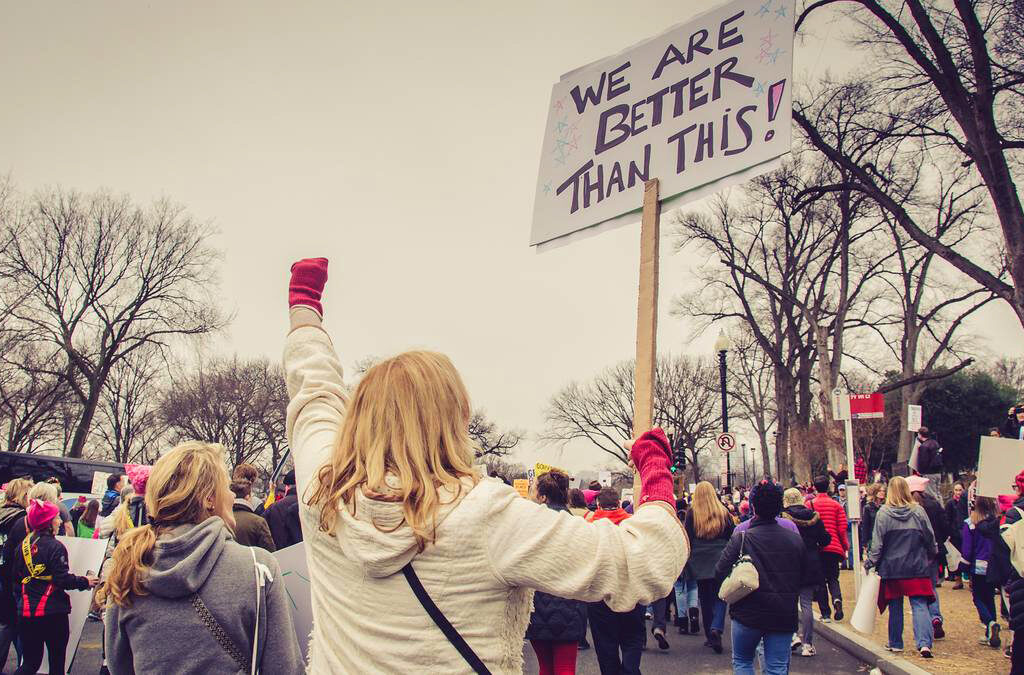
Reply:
x=913, y=418
x=999, y=460
x=697, y=107
x=295, y=573
x=84, y=555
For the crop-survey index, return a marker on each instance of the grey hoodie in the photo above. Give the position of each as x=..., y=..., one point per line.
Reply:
x=162, y=633
x=902, y=544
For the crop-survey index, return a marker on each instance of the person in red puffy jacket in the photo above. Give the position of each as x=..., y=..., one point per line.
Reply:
x=833, y=516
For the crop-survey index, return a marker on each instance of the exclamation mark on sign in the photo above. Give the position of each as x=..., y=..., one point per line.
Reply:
x=774, y=99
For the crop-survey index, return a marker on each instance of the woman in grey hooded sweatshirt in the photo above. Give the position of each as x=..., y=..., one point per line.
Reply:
x=184, y=596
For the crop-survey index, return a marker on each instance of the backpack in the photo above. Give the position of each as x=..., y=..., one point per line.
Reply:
x=1013, y=536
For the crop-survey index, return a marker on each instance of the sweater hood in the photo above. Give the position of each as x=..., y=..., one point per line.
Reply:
x=615, y=515
x=9, y=514
x=377, y=537
x=801, y=515
x=185, y=556
x=901, y=513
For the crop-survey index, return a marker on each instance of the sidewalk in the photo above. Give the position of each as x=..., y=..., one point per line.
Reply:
x=958, y=653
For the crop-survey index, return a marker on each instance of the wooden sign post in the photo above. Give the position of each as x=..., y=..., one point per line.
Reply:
x=646, y=318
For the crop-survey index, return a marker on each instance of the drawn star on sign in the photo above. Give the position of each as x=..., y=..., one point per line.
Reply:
x=780, y=13
x=765, y=9
x=774, y=56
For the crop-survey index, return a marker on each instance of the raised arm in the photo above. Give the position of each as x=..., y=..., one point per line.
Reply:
x=316, y=389
x=634, y=562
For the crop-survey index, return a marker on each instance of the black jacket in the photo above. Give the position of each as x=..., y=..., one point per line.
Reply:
x=557, y=618
x=938, y=520
x=46, y=597
x=867, y=523
x=956, y=514
x=929, y=457
x=283, y=519
x=778, y=555
x=12, y=526
x=1010, y=428
x=815, y=538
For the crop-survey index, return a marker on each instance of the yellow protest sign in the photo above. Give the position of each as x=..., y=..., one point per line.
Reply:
x=522, y=486
x=540, y=468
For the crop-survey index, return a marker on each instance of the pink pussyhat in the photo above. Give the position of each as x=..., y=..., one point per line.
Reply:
x=41, y=514
x=138, y=476
x=917, y=483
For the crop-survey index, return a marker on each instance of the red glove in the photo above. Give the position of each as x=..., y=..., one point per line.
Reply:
x=652, y=458
x=307, y=283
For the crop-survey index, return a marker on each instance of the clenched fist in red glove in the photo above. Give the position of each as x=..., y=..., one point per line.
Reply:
x=652, y=458
x=309, y=276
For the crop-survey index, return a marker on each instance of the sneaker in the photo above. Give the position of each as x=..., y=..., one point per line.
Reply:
x=648, y=616
x=795, y=644
x=838, y=614
x=826, y=619
x=808, y=650
x=716, y=640
x=1008, y=652
x=925, y=652
x=993, y=634
x=895, y=650
x=937, y=632
x=659, y=635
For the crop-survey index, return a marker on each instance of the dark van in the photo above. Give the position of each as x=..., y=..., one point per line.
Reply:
x=75, y=474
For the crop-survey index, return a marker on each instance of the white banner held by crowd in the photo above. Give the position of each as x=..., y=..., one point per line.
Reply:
x=84, y=555
x=999, y=461
x=704, y=105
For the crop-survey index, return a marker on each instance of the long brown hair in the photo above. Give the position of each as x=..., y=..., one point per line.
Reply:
x=92, y=509
x=409, y=417
x=183, y=485
x=984, y=507
x=709, y=516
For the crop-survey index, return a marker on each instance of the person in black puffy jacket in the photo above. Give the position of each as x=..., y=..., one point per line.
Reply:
x=557, y=624
x=815, y=538
x=41, y=563
x=769, y=613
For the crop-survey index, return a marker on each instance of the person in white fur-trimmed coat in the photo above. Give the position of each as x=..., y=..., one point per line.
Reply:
x=385, y=479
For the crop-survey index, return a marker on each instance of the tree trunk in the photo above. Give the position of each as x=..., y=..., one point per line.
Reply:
x=85, y=421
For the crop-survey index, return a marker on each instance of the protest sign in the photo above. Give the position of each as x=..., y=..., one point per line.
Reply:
x=999, y=460
x=295, y=574
x=84, y=555
x=522, y=486
x=99, y=482
x=913, y=418
x=704, y=105
x=539, y=469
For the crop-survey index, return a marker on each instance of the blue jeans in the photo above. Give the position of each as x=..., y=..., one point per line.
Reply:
x=922, y=622
x=686, y=595
x=744, y=645
x=933, y=606
x=983, y=594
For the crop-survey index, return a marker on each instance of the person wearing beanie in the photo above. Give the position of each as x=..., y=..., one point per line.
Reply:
x=44, y=605
x=283, y=516
x=768, y=614
x=1015, y=584
x=815, y=538
x=940, y=529
x=138, y=476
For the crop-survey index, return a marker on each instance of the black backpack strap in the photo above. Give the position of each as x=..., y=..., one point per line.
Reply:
x=443, y=623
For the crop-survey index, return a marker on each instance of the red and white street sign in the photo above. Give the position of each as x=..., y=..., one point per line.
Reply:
x=725, y=442
x=867, y=406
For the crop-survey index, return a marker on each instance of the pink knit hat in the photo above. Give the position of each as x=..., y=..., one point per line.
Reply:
x=917, y=483
x=138, y=475
x=41, y=514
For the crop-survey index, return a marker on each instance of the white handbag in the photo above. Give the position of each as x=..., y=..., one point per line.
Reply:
x=742, y=580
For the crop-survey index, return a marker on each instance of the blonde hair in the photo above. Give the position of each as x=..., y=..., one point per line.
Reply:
x=709, y=515
x=409, y=416
x=17, y=492
x=182, y=485
x=898, y=493
x=46, y=492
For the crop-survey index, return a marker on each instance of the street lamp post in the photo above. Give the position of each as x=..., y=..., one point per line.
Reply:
x=743, y=449
x=722, y=345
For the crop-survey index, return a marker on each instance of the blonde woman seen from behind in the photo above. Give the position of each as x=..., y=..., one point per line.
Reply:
x=184, y=597
x=386, y=484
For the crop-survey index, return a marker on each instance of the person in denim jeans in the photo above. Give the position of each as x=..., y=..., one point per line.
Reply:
x=903, y=551
x=708, y=526
x=769, y=614
x=687, y=614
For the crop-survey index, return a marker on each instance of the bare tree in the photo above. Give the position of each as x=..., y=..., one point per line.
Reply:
x=489, y=439
x=751, y=389
x=601, y=411
x=240, y=404
x=949, y=76
x=29, y=398
x=130, y=422
x=101, y=278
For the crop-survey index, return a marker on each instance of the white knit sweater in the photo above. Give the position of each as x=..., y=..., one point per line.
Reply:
x=492, y=548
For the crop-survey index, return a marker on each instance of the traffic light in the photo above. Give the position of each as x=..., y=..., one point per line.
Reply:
x=678, y=457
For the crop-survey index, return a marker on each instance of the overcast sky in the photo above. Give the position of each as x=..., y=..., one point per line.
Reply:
x=399, y=139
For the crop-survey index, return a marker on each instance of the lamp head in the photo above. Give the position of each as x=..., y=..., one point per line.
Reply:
x=722, y=344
